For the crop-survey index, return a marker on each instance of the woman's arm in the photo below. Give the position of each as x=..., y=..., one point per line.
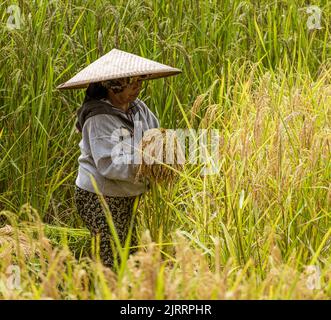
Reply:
x=113, y=158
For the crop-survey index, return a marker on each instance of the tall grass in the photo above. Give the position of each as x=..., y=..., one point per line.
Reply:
x=252, y=70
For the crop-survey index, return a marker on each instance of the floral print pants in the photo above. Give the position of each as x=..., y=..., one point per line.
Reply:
x=90, y=210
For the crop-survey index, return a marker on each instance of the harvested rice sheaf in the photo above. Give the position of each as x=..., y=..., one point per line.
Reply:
x=12, y=240
x=161, y=154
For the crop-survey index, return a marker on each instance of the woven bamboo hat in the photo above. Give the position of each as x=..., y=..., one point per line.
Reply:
x=118, y=64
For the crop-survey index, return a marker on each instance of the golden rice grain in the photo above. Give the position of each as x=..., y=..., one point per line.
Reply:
x=13, y=241
x=161, y=154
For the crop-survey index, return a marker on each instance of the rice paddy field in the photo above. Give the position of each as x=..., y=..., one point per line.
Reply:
x=259, y=72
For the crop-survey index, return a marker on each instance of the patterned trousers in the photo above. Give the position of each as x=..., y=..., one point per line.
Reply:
x=90, y=210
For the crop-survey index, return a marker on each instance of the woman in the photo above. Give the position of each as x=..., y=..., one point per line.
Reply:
x=109, y=106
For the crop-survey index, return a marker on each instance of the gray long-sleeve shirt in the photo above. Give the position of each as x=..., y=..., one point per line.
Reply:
x=113, y=168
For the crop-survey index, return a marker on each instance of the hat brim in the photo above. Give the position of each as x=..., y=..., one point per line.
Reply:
x=85, y=83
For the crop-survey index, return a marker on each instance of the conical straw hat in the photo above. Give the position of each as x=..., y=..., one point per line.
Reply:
x=118, y=64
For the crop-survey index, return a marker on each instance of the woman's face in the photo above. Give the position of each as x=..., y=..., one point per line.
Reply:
x=130, y=91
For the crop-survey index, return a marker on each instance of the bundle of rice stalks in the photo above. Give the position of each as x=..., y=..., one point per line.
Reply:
x=161, y=154
x=210, y=116
x=12, y=240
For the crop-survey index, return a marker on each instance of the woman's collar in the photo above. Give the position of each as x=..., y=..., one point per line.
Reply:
x=131, y=105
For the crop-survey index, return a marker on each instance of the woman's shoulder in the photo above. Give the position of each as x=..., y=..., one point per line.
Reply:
x=149, y=115
x=142, y=105
x=101, y=125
